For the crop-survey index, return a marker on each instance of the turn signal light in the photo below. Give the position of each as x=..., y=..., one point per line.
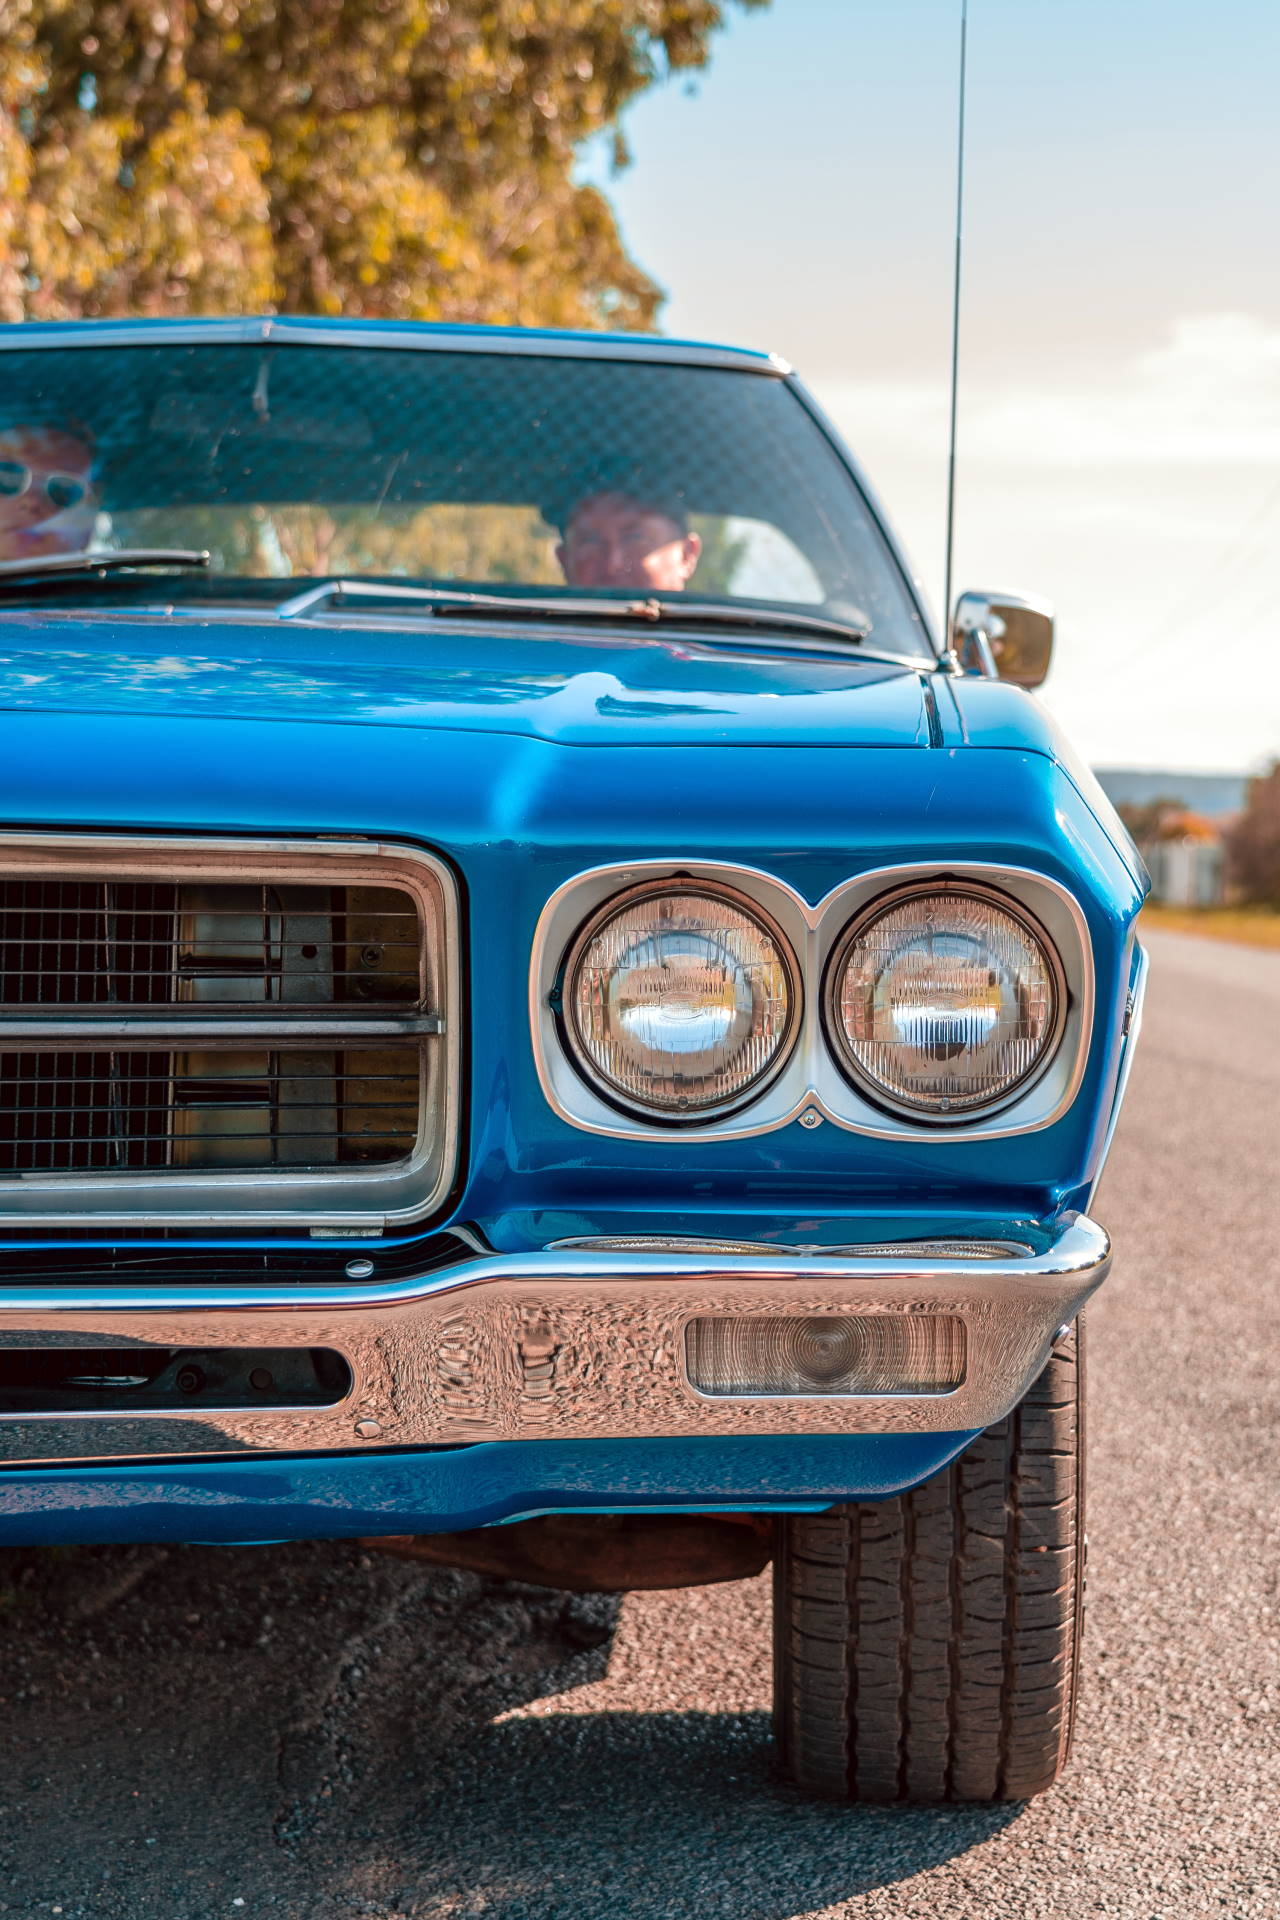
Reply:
x=806, y=1354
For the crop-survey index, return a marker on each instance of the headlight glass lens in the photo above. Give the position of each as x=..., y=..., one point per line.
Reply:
x=944, y=1003
x=680, y=1000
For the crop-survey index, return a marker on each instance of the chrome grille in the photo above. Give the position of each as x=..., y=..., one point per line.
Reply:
x=70, y=1112
x=89, y=943
x=212, y=1020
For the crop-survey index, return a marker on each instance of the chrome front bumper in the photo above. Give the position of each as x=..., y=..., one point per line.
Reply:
x=561, y=1344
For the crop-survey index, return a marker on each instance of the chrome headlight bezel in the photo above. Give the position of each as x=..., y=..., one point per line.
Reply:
x=811, y=1083
x=841, y=1048
x=576, y=1046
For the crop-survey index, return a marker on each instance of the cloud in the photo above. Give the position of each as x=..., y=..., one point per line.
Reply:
x=1143, y=497
x=1209, y=395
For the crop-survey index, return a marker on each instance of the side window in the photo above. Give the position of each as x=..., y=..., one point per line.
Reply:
x=752, y=560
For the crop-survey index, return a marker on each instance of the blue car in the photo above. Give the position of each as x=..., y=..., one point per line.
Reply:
x=547, y=1020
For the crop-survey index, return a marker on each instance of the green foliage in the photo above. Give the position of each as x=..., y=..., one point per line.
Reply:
x=398, y=158
x=489, y=544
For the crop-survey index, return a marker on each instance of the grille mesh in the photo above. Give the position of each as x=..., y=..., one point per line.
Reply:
x=218, y=949
x=90, y=942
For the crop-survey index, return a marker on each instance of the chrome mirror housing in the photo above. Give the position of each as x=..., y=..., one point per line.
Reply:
x=1003, y=636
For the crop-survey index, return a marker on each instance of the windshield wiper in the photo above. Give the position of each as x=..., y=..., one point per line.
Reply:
x=676, y=611
x=47, y=566
x=327, y=593
x=711, y=613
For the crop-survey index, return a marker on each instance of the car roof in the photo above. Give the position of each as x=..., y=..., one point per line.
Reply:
x=419, y=334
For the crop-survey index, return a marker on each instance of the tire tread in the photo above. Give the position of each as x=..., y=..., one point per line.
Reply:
x=926, y=1647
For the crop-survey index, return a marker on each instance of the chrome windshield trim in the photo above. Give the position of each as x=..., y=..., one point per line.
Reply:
x=422, y=337
x=554, y=1344
x=725, y=638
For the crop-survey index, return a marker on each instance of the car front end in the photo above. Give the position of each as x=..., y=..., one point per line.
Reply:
x=462, y=1063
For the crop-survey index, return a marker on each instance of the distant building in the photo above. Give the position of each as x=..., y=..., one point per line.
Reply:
x=1215, y=795
x=1179, y=821
x=1185, y=856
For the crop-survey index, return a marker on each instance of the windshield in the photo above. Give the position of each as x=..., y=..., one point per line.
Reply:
x=444, y=468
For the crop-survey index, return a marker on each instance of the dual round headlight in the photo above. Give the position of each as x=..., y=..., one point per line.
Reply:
x=944, y=1004
x=681, y=1001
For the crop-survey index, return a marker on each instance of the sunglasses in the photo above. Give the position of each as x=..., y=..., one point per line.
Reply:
x=62, y=490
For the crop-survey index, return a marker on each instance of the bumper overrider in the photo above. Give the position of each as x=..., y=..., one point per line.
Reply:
x=567, y=1344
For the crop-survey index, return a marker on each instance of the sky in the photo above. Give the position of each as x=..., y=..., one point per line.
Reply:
x=1119, y=421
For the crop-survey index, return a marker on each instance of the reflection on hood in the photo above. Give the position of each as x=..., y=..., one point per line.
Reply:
x=592, y=688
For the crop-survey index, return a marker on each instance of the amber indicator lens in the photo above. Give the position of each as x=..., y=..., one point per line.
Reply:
x=861, y=1353
x=680, y=1001
x=944, y=1003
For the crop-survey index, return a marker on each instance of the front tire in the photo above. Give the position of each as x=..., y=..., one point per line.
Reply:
x=926, y=1648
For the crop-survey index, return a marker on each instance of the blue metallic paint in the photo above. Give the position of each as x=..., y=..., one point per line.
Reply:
x=518, y=815
x=988, y=713
x=341, y=1496
x=623, y=687
x=484, y=745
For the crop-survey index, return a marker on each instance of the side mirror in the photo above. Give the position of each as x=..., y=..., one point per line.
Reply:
x=1003, y=636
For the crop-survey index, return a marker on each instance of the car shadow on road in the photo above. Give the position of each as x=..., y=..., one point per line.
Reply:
x=667, y=1813
x=317, y=1731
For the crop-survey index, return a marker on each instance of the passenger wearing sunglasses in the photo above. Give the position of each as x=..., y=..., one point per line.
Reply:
x=47, y=502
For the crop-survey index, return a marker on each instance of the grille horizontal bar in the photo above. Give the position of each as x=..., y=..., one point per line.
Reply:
x=73, y=1033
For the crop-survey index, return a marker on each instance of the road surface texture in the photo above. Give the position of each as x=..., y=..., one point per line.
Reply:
x=311, y=1731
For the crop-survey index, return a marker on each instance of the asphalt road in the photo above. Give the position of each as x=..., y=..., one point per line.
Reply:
x=306, y=1731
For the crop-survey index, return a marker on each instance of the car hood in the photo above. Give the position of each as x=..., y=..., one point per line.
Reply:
x=577, y=688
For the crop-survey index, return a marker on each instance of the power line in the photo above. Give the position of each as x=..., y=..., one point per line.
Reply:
x=955, y=332
x=1177, y=623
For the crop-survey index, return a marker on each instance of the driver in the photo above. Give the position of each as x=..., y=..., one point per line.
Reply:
x=47, y=502
x=617, y=538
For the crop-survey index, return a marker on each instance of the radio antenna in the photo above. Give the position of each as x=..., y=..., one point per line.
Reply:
x=955, y=333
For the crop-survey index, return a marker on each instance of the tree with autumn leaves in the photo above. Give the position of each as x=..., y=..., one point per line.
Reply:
x=1253, y=842
x=391, y=158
